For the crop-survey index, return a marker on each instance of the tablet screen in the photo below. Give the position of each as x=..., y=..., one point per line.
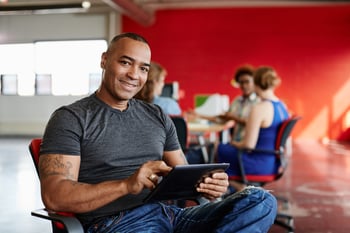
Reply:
x=182, y=180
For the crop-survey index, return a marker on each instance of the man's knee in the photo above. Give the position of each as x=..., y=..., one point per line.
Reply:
x=256, y=198
x=253, y=210
x=262, y=202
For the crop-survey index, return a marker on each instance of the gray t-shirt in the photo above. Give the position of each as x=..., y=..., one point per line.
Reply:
x=112, y=144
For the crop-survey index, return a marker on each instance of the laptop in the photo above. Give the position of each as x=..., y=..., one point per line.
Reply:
x=182, y=180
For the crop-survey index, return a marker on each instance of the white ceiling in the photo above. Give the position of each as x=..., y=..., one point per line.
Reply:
x=140, y=10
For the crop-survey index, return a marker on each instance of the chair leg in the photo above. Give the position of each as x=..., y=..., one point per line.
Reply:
x=285, y=202
x=285, y=221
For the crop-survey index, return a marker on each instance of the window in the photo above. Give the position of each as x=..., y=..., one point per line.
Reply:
x=51, y=67
x=17, y=68
x=9, y=84
x=94, y=82
x=43, y=84
x=70, y=64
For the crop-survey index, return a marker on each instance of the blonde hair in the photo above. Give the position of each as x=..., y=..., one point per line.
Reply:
x=266, y=77
x=147, y=92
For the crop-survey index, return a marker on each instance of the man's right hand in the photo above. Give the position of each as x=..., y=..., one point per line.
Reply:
x=147, y=176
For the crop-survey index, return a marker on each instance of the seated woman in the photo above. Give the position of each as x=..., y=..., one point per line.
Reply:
x=153, y=88
x=261, y=130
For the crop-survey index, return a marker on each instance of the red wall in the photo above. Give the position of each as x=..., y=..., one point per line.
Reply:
x=308, y=46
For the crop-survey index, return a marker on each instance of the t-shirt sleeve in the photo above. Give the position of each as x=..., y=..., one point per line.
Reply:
x=62, y=134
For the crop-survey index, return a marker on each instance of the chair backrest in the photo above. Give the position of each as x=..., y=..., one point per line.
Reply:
x=181, y=130
x=34, y=148
x=284, y=131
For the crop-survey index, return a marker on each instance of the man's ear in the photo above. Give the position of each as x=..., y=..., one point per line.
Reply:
x=103, y=60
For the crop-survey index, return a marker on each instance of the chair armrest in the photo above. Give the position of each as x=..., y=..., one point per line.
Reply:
x=71, y=223
x=280, y=153
x=263, y=151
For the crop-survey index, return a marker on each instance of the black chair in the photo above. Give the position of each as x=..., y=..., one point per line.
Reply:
x=284, y=131
x=181, y=131
x=193, y=152
x=62, y=222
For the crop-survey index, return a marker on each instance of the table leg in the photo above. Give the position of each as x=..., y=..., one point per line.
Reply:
x=201, y=141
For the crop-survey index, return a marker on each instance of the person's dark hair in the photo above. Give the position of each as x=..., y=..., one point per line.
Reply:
x=130, y=35
x=266, y=77
x=147, y=92
x=243, y=70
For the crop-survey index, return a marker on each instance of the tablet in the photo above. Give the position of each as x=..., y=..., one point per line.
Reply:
x=182, y=180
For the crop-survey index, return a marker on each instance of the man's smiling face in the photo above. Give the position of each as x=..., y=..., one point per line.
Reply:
x=125, y=68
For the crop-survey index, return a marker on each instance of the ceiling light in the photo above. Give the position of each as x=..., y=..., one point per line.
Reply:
x=86, y=4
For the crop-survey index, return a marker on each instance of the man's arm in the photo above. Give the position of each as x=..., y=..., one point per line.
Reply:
x=173, y=158
x=231, y=116
x=61, y=190
x=192, y=115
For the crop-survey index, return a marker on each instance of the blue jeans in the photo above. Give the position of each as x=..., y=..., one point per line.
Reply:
x=251, y=210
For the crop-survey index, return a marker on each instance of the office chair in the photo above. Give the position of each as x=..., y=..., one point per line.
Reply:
x=191, y=150
x=284, y=131
x=61, y=222
x=181, y=131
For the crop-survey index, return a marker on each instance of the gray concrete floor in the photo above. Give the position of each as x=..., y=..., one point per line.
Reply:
x=316, y=183
x=20, y=191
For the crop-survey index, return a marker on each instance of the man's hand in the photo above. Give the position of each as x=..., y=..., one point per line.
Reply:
x=214, y=186
x=147, y=176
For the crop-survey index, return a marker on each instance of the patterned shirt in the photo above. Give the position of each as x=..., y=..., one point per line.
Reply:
x=241, y=107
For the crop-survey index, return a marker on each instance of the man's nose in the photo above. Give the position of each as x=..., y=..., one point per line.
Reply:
x=133, y=72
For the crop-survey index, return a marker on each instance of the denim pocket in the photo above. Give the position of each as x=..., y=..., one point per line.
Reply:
x=104, y=224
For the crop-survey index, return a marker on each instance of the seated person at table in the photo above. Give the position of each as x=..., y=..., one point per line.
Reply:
x=101, y=156
x=240, y=106
x=261, y=129
x=150, y=93
x=153, y=88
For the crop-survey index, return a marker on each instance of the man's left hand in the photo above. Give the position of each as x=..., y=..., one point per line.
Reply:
x=214, y=186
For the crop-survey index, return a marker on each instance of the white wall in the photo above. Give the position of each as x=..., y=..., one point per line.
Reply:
x=28, y=115
x=30, y=28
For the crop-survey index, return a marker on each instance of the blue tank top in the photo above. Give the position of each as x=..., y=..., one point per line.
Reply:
x=267, y=136
x=257, y=163
x=266, y=163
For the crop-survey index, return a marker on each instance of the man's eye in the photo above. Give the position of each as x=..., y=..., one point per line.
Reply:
x=145, y=69
x=125, y=62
